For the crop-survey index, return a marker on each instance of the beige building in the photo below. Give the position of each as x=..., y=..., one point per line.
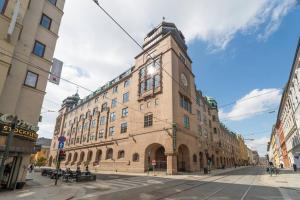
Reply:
x=28, y=34
x=150, y=116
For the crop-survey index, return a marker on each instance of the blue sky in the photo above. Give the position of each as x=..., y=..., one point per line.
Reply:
x=248, y=63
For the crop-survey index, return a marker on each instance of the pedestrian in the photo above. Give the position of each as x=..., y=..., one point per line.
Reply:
x=87, y=172
x=295, y=167
x=31, y=168
x=78, y=173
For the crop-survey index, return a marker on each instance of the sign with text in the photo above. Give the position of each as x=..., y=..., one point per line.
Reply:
x=28, y=134
x=56, y=71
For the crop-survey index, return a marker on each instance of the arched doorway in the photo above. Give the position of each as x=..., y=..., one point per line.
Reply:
x=98, y=157
x=201, y=160
x=155, y=152
x=69, y=158
x=81, y=158
x=74, y=158
x=213, y=161
x=50, y=161
x=183, y=160
x=89, y=157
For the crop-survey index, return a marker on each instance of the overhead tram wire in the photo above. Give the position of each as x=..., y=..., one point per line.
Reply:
x=140, y=46
x=249, y=114
x=78, y=85
x=233, y=102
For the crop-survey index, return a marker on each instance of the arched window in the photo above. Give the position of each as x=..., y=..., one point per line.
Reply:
x=121, y=154
x=75, y=157
x=89, y=156
x=109, y=154
x=194, y=158
x=135, y=157
x=98, y=155
x=81, y=157
x=69, y=157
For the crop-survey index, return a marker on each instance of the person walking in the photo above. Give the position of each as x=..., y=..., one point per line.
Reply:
x=295, y=167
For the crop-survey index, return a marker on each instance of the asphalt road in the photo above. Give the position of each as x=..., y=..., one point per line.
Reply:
x=240, y=184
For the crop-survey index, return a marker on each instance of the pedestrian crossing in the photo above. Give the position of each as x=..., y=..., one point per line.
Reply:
x=102, y=187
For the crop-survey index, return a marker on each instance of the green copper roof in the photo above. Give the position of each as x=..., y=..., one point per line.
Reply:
x=212, y=102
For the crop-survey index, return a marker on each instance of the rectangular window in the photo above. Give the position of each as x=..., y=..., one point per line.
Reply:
x=39, y=49
x=186, y=121
x=199, y=130
x=113, y=102
x=124, y=112
x=185, y=103
x=112, y=116
x=156, y=81
x=86, y=126
x=111, y=131
x=102, y=120
x=142, y=73
x=148, y=120
x=142, y=87
x=93, y=123
x=104, y=107
x=95, y=110
x=101, y=133
x=215, y=131
x=198, y=115
x=3, y=4
x=149, y=84
x=53, y=2
x=46, y=21
x=126, y=83
x=124, y=127
x=115, y=89
x=31, y=79
x=214, y=118
x=126, y=97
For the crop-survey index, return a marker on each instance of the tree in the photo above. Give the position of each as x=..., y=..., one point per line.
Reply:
x=41, y=161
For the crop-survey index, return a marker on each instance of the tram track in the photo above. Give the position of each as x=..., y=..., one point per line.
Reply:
x=167, y=197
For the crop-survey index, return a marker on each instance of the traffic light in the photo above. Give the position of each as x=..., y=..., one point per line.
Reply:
x=61, y=155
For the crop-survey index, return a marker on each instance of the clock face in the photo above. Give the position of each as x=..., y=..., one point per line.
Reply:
x=184, y=80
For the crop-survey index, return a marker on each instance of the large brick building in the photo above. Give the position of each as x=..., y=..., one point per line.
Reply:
x=153, y=111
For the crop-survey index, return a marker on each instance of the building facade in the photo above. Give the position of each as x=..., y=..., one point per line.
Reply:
x=287, y=124
x=150, y=116
x=28, y=34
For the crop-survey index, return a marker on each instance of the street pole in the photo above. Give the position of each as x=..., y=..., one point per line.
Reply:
x=7, y=146
x=57, y=166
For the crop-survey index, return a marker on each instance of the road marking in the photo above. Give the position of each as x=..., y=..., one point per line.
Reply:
x=284, y=194
x=249, y=187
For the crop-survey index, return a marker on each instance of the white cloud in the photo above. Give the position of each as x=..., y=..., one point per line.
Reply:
x=100, y=51
x=255, y=102
x=259, y=144
x=277, y=11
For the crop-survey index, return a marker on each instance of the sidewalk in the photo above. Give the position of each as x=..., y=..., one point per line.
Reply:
x=287, y=178
x=42, y=188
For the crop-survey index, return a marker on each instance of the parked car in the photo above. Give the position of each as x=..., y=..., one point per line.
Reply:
x=46, y=171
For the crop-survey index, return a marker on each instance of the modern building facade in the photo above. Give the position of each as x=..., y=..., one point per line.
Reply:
x=150, y=116
x=28, y=34
x=287, y=124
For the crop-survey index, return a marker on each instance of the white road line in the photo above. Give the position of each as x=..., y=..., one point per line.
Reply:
x=249, y=187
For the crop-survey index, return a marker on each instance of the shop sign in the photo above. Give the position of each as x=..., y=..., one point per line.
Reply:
x=28, y=134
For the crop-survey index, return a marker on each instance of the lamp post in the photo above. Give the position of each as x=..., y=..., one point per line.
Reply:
x=7, y=146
